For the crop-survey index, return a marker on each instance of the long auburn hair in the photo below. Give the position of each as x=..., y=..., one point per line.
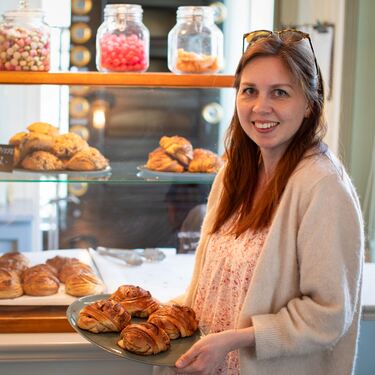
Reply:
x=243, y=155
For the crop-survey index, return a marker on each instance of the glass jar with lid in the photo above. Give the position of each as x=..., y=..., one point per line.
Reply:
x=24, y=41
x=122, y=40
x=195, y=44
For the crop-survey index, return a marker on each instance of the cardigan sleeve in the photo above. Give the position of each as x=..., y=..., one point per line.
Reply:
x=330, y=245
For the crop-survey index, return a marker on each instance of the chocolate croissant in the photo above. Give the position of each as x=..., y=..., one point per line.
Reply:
x=103, y=316
x=135, y=300
x=83, y=284
x=159, y=160
x=10, y=284
x=144, y=339
x=178, y=147
x=205, y=161
x=176, y=320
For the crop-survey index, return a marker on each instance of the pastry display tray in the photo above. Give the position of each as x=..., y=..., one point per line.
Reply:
x=108, y=341
x=148, y=174
x=103, y=172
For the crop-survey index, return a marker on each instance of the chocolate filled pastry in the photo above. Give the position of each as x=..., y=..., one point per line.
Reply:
x=10, y=284
x=83, y=284
x=70, y=268
x=40, y=280
x=205, y=161
x=42, y=161
x=159, y=160
x=144, y=339
x=66, y=145
x=43, y=128
x=89, y=159
x=176, y=320
x=179, y=148
x=103, y=316
x=58, y=262
x=135, y=300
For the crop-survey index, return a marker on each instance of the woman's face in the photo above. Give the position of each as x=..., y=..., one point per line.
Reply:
x=270, y=105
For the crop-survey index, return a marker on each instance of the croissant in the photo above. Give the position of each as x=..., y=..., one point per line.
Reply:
x=58, y=262
x=144, y=339
x=40, y=280
x=103, y=316
x=176, y=320
x=14, y=261
x=205, y=161
x=178, y=147
x=70, y=268
x=135, y=300
x=10, y=284
x=83, y=284
x=159, y=160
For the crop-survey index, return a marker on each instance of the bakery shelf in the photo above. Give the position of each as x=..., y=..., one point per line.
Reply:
x=118, y=79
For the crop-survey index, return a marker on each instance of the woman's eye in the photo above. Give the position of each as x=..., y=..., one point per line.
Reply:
x=249, y=90
x=280, y=93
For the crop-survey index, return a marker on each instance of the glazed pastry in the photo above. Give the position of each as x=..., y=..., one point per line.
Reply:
x=42, y=161
x=176, y=320
x=17, y=138
x=14, y=261
x=144, y=339
x=43, y=128
x=179, y=148
x=205, y=161
x=89, y=159
x=66, y=145
x=103, y=316
x=10, y=284
x=135, y=300
x=16, y=256
x=40, y=280
x=58, y=262
x=70, y=268
x=35, y=142
x=83, y=284
x=159, y=160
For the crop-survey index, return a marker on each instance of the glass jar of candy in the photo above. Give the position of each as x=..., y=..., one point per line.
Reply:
x=24, y=41
x=122, y=40
x=195, y=44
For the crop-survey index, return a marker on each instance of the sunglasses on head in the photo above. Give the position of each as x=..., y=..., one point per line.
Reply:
x=287, y=35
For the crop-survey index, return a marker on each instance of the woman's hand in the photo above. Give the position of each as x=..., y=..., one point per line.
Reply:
x=205, y=356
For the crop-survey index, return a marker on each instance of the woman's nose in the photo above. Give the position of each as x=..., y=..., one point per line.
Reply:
x=262, y=104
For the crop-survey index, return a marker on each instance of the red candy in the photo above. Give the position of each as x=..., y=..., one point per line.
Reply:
x=122, y=54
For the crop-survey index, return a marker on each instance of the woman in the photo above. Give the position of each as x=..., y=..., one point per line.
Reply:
x=276, y=284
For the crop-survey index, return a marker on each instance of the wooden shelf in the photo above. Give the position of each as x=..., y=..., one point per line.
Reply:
x=118, y=79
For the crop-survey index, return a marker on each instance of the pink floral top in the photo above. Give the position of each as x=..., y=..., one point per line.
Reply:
x=224, y=282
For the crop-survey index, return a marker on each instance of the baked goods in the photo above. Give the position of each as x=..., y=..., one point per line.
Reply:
x=43, y=128
x=10, y=284
x=103, y=316
x=14, y=261
x=42, y=161
x=83, y=284
x=66, y=145
x=178, y=148
x=58, y=262
x=72, y=267
x=135, y=300
x=40, y=280
x=35, y=142
x=159, y=160
x=205, y=161
x=89, y=159
x=17, y=138
x=144, y=339
x=176, y=320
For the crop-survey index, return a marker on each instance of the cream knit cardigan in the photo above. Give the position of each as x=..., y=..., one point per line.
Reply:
x=304, y=298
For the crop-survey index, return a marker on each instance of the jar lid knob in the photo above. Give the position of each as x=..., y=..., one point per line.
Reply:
x=23, y=4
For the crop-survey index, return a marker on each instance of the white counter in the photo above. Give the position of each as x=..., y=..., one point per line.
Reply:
x=164, y=280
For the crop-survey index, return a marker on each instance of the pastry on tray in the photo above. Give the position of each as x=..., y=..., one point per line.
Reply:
x=176, y=320
x=10, y=284
x=144, y=339
x=40, y=280
x=159, y=160
x=14, y=261
x=58, y=262
x=43, y=128
x=88, y=159
x=205, y=161
x=73, y=267
x=178, y=148
x=83, y=284
x=35, y=142
x=103, y=316
x=17, y=138
x=66, y=145
x=135, y=300
x=42, y=161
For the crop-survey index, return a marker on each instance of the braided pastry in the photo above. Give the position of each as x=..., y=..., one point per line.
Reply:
x=159, y=160
x=176, y=320
x=10, y=284
x=103, y=316
x=144, y=339
x=178, y=147
x=135, y=300
x=205, y=161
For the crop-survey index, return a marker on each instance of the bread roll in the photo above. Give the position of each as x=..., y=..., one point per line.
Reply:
x=10, y=284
